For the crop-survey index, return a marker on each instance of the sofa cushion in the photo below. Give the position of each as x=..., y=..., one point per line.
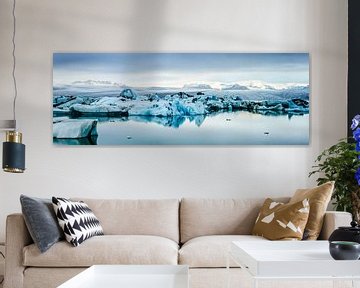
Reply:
x=279, y=221
x=35, y=277
x=107, y=249
x=77, y=220
x=200, y=217
x=211, y=251
x=319, y=198
x=158, y=217
x=41, y=221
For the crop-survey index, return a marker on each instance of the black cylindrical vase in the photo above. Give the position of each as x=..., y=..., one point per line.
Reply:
x=13, y=153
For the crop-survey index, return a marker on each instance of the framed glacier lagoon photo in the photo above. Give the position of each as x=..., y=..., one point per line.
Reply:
x=181, y=98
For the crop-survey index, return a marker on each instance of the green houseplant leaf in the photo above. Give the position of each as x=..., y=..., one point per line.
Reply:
x=339, y=163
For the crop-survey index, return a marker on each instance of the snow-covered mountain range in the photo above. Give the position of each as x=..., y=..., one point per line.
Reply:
x=242, y=85
x=96, y=83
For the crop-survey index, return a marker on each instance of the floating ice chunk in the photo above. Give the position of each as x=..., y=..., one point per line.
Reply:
x=68, y=104
x=128, y=93
x=165, y=108
x=146, y=108
x=58, y=111
x=58, y=100
x=110, y=108
x=188, y=108
x=214, y=106
x=181, y=95
x=59, y=119
x=277, y=107
x=75, y=129
x=170, y=104
x=106, y=101
x=152, y=97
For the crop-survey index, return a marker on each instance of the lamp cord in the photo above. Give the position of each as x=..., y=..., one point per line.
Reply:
x=2, y=280
x=14, y=61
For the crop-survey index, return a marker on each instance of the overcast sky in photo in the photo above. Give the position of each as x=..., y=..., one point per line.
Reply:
x=177, y=69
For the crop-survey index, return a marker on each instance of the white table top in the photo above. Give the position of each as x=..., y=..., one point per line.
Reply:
x=131, y=276
x=291, y=259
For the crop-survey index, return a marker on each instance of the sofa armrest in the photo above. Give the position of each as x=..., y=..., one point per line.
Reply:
x=17, y=237
x=333, y=220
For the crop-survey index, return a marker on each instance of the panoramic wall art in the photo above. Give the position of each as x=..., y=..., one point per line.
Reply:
x=181, y=98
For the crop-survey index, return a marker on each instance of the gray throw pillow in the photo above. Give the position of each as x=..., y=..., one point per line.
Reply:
x=41, y=221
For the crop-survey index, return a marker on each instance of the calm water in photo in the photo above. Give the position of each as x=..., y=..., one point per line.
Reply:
x=234, y=128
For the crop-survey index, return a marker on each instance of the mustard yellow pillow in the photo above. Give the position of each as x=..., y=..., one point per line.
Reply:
x=279, y=221
x=319, y=198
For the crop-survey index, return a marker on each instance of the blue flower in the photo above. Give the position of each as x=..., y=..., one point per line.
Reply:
x=357, y=176
x=355, y=122
x=355, y=126
x=356, y=134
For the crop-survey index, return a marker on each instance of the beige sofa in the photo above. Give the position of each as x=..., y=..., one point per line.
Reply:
x=194, y=232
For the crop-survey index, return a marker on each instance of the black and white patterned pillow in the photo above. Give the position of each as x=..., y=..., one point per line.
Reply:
x=77, y=220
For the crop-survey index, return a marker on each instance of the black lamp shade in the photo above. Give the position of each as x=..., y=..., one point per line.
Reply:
x=13, y=157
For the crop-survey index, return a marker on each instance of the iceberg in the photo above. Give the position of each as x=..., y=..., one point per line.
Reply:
x=68, y=104
x=103, y=110
x=63, y=104
x=277, y=107
x=74, y=128
x=105, y=106
x=146, y=108
x=174, y=103
x=59, y=100
x=128, y=93
x=182, y=108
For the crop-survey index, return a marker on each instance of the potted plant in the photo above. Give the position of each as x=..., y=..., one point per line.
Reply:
x=341, y=163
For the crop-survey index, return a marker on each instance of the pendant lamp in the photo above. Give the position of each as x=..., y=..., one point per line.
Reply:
x=13, y=159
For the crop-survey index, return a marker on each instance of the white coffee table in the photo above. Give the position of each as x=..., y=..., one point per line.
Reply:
x=131, y=276
x=285, y=260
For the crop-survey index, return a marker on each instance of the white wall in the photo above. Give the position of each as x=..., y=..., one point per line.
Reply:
x=316, y=26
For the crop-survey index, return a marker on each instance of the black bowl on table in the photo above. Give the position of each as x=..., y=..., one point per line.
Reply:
x=344, y=250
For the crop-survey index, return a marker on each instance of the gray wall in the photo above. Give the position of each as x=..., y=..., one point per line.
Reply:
x=315, y=26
